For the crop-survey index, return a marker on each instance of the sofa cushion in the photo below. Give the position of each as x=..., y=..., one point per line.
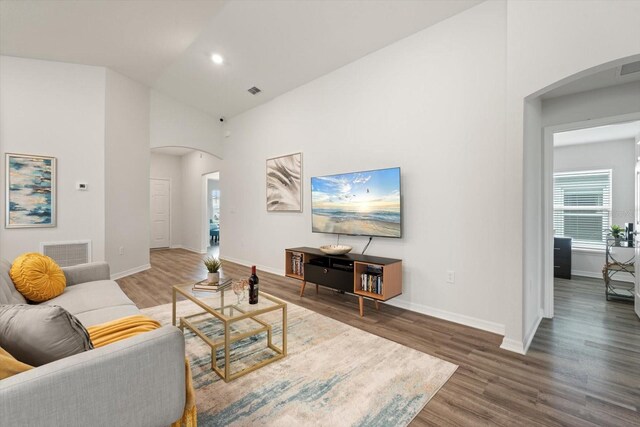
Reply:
x=90, y=296
x=8, y=292
x=37, y=277
x=40, y=334
x=107, y=314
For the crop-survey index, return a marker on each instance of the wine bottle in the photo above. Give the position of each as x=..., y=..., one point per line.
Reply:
x=253, y=286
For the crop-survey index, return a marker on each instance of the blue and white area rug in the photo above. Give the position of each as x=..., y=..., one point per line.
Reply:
x=334, y=374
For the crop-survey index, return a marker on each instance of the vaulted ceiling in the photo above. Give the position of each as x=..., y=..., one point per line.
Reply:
x=276, y=45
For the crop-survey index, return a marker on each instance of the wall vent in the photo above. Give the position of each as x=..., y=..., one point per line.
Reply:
x=254, y=91
x=67, y=254
x=631, y=68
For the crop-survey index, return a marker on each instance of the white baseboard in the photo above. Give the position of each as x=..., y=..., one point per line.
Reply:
x=462, y=319
x=176, y=247
x=532, y=332
x=522, y=347
x=512, y=345
x=249, y=264
x=197, y=251
x=623, y=277
x=130, y=271
x=473, y=322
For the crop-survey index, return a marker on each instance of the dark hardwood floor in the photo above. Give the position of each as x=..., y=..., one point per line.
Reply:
x=583, y=367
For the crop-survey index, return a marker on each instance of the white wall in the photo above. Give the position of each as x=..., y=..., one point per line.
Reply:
x=532, y=229
x=195, y=230
x=170, y=167
x=56, y=109
x=619, y=156
x=127, y=175
x=415, y=104
x=594, y=104
x=173, y=124
x=446, y=105
x=549, y=43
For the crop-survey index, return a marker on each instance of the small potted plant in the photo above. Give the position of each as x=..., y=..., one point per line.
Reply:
x=616, y=232
x=213, y=266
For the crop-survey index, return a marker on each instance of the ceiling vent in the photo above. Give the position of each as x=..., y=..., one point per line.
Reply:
x=254, y=91
x=631, y=68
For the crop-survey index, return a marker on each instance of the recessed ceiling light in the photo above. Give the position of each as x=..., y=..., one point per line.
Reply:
x=217, y=58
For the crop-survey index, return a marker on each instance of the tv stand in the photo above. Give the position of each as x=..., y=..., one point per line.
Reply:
x=365, y=276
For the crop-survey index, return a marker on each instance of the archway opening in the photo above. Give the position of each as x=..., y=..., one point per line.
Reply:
x=603, y=95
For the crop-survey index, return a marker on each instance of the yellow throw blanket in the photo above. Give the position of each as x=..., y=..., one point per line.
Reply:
x=130, y=326
x=9, y=366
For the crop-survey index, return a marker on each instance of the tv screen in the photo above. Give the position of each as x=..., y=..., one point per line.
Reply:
x=359, y=203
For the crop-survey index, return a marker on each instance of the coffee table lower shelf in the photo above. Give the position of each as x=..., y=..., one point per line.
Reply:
x=229, y=337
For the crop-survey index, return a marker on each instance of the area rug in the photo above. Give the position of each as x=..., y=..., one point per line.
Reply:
x=334, y=374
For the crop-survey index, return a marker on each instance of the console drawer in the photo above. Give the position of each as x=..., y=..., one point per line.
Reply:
x=332, y=278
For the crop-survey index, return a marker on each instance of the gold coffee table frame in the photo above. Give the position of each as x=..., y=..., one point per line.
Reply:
x=235, y=314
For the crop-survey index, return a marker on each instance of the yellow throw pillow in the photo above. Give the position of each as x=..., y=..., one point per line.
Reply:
x=37, y=277
x=9, y=366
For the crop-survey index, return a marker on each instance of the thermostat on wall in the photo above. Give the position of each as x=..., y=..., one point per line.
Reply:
x=82, y=186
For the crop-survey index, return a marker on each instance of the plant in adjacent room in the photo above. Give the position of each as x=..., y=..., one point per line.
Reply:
x=616, y=231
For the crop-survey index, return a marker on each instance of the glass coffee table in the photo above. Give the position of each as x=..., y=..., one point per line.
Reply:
x=224, y=306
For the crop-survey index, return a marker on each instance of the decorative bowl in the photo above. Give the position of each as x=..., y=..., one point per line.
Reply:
x=336, y=249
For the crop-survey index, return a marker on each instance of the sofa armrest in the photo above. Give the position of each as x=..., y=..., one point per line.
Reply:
x=89, y=272
x=139, y=381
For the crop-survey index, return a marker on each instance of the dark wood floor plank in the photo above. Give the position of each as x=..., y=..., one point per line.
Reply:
x=583, y=367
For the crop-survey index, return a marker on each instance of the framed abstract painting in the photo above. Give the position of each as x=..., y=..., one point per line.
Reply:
x=30, y=191
x=284, y=183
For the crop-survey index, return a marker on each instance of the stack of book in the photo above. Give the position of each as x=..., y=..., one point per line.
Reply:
x=297, y=264
x=371, y=281
x=204, y=285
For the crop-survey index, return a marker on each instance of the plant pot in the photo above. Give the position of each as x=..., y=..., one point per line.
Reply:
x=213, y=277
x=617, y=240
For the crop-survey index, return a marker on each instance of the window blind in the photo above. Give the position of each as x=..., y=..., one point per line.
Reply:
x=582, y=207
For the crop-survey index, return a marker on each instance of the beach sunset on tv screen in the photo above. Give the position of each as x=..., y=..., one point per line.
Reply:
x=360, y=203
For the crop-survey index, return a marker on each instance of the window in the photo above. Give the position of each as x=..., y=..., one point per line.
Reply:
x=582, y=207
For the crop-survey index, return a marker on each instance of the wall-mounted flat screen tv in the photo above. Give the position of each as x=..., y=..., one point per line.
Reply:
x=359, y=203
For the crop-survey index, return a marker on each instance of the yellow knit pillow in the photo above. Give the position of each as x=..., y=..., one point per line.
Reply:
x=9, y=366
x=37, y=277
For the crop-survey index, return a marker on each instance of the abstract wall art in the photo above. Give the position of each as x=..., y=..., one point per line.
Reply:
x=30, y=191
x=284, y=183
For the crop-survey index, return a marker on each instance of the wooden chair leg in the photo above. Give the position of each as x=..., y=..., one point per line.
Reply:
x=361, y=303
x=302, y=288
x=377, y=305
x=317, y=287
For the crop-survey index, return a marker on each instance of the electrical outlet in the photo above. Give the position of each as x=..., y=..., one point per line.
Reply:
x=451, y=276
x=121, y=250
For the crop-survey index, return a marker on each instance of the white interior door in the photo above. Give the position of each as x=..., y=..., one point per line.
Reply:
x=160, y=213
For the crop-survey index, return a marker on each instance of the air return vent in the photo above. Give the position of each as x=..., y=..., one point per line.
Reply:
x=631, y=68
x=254, y=91
x=68, y=253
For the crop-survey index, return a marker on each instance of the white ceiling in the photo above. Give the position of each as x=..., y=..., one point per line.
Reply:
x=138, y=38
x=276, y=45
x=614, y=132
x=606, y=78
x=172, y=151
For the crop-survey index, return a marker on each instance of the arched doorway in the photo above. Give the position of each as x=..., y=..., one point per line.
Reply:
x=185, y=169
x=538, y=206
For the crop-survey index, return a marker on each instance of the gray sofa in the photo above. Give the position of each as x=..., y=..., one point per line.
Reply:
x=137, y=382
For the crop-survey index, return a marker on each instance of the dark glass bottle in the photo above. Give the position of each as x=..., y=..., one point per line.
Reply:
x=253, y=286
